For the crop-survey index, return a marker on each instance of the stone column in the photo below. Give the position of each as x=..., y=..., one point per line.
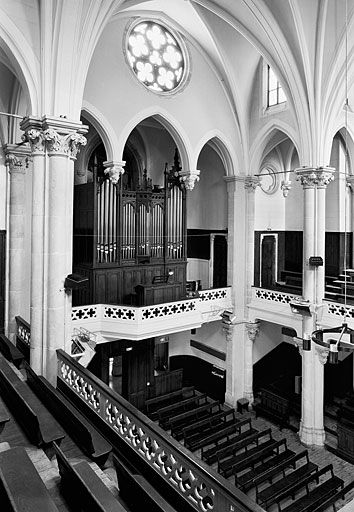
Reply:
x=314, y=182
x=33, y=134
x=252, y=329
x=54, y=142
x=350, y=184
x=240, y=254
x=62, y=143
x=17, y=162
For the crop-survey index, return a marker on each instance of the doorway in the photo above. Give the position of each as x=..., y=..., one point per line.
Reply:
x=268, y=261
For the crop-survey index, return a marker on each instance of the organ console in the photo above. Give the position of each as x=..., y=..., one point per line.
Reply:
x=125, y=236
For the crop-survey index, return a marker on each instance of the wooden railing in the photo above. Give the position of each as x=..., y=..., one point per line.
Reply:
x=190, y=477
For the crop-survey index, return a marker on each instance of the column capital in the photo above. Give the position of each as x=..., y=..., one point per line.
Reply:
x=311, y=177
x=298, y=342
x=252, y=329
x=350, y=181
x=285, y=187
x=114, y=169
x=56, y=134
x=17, y=157
x=189, y=178
x=228, y=330
x=322, y=353
x=250, y=183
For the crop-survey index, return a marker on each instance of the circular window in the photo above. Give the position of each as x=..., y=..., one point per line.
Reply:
x=269, y=183
x=156, y=56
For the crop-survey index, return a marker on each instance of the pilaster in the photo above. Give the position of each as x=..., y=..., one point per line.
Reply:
x=252, y=329
x=17, y=160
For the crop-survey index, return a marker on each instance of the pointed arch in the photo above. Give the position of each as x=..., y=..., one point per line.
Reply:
x=263, y=139
x=21, y=60
x=223, y=148
x=169, y=123
x=104, y=129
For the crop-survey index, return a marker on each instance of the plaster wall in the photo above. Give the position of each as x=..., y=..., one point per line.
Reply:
x=270, y=210
x=113, y=89
x=210, y=334
x=207, y=202
x=25, y=15
x=269, y=337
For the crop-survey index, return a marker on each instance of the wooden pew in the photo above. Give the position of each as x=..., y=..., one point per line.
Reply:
x=251, y=456
x=154, y=404
x=232, y=434
x=286, y=485
x=331, y=500
x=39, y=425
x=200, y=427
x=274, y=407
x=314, y=499
x=267, y=470
x=182, y=420
x=136, y=490
x=11, y=352
x=21, y=487
x=215, y=433
x=79, y=428
x=185, y=405
x=193, y=433
x=4, y=417
x=83, y=489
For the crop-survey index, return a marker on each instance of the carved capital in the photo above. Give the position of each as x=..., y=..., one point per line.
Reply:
x=350, y=181
x=311, y=177
x=16, y=163
x=189, y=178
x=285, y=187
x=252, y=182
x=35, y=138
x=114, y=170
x=322, y=353
x=252, y=329
x=68, y=144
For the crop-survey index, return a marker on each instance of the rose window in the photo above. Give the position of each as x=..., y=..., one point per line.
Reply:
x=155, y=56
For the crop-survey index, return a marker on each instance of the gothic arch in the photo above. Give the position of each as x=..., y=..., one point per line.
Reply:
x=223, y=149
x=21, y=60
x=169, y=123
x=263, y=140
x=104, y=129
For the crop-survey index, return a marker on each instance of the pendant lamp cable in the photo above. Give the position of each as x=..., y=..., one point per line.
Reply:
x=346, y=106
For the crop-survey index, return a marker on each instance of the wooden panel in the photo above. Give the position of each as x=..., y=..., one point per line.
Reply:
x=346, y=441
x=138, y=372
x=335, y=247
x=167, y=382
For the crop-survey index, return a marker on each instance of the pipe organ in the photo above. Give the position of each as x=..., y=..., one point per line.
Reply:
x=127, y=238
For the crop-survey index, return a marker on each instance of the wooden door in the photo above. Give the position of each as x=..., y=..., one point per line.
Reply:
x=138, y=372
x=220, y=261
x=268, y=276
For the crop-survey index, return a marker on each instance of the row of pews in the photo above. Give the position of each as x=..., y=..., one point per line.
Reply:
x=258, y=464
x=46, y=419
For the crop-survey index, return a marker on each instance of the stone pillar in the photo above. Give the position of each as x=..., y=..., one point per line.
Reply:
x=17, y=162
x=252, y=329
x=314, y=182
x=240, y=254
x=33, y=134
x=52, y=237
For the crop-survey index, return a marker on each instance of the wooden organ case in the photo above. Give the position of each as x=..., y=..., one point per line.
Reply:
x=131, y=244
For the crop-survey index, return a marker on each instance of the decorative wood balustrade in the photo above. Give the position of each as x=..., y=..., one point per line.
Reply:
x=191, y=478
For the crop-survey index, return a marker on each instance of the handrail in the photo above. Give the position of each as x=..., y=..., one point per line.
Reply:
x=193, y=479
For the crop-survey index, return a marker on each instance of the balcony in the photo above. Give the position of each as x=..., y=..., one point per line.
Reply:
x=137, y=323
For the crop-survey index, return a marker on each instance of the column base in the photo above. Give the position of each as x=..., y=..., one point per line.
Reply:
x=230, y=400
x=312, y=436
